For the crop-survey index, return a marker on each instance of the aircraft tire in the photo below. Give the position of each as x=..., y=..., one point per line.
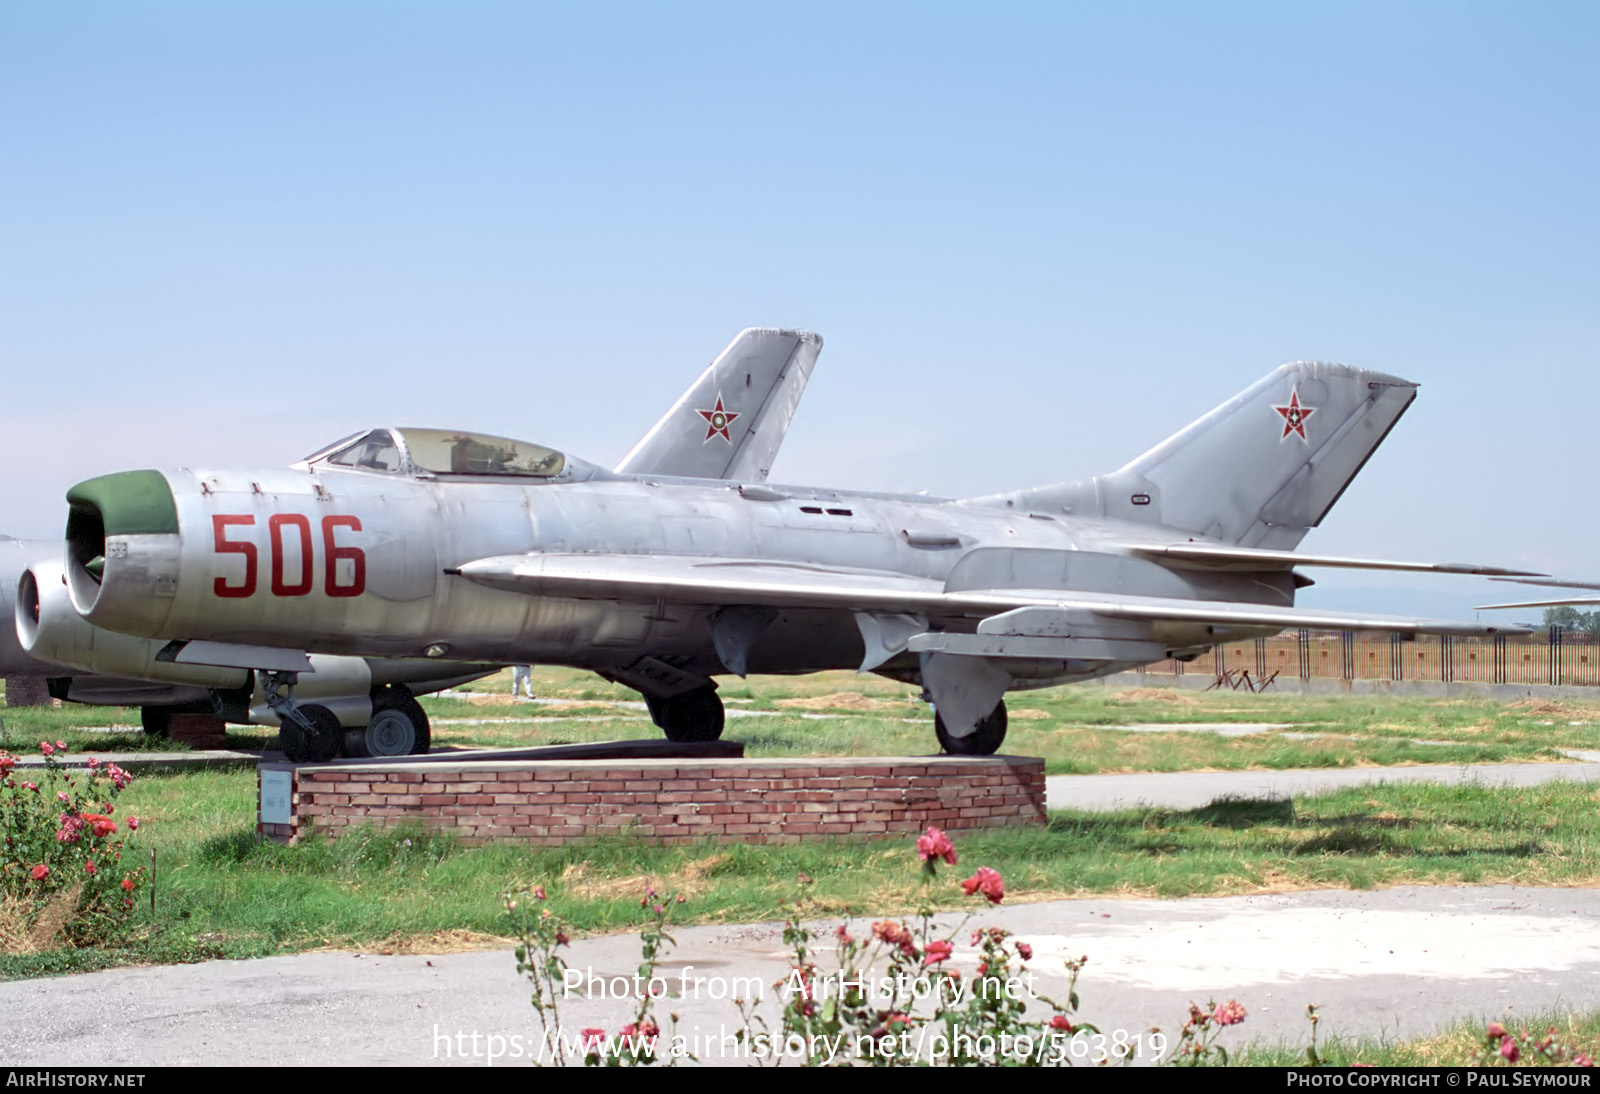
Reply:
x=399, y=727
x=693, y=716
x=319, y=746
x=983, y=741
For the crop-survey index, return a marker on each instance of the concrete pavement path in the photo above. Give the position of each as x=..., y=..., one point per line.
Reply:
x=1388, y=963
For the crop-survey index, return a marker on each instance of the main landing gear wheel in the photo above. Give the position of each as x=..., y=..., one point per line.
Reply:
x=693, y=716
x=983, y=741
x=399, y=727
x=318, y=746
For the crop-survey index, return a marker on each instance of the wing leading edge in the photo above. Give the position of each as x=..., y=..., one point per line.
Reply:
x=717, y=582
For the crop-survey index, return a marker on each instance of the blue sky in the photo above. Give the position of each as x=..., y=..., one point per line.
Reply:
x=1036, y=238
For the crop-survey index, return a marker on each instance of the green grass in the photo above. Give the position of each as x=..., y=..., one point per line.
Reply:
x=219, y=890
x=1459, y=1046
x=846, y=714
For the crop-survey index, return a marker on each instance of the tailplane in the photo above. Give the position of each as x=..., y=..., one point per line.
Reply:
x=1261, y=470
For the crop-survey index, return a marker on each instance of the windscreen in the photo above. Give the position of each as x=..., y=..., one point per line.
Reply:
x=444, y=452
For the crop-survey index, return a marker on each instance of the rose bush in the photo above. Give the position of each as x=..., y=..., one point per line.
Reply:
x=62, y=848
x=888, y=999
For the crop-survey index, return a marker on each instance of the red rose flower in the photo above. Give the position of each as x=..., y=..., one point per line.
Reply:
x=986, y=881
x=937, y=952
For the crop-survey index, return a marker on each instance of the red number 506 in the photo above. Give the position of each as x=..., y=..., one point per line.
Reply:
x=294, y=527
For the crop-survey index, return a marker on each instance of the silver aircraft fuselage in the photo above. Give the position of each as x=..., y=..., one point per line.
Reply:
x=241, y=571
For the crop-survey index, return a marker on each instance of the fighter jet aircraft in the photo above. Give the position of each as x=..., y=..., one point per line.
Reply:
x=373, y=699
x=443, y=544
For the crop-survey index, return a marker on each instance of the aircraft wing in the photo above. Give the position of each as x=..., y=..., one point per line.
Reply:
x=750, y=581
x=1207, y=556
x=731, y=422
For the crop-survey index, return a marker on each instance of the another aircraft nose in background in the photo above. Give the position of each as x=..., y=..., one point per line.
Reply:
x=123, y=547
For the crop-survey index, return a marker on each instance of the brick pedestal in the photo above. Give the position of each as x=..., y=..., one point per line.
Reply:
x=197, y=730
x=547, y=803
x=23, y=690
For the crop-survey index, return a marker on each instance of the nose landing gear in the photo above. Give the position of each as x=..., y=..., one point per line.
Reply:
x=310, y=733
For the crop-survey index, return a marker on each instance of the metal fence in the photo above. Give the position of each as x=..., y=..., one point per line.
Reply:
x=1550, y=657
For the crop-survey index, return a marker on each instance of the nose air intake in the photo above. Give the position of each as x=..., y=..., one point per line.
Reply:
x=117, y=538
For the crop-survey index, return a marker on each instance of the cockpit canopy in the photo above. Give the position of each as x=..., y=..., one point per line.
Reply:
x=434, y=452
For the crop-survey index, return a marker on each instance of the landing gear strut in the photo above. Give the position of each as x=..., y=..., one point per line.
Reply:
x=691, y=716
x=309, y=733
x=983, y=741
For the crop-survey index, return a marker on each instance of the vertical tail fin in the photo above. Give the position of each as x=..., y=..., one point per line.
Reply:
x=1261, y=470
x=731, y=422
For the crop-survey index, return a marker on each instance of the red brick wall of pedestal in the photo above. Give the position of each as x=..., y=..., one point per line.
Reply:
x=547, y=803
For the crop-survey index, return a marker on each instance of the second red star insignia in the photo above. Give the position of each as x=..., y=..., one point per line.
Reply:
x=718, y=419
x=1294, y=416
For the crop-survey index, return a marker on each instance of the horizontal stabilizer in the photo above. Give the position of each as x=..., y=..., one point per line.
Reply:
x=1550, y=583
x=1206, y=556
x=717, y=582
x=1571, y=601
x=1564, y=602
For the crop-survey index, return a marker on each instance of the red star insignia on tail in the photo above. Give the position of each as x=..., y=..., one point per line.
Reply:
x=718, y=419
x=1295, y=415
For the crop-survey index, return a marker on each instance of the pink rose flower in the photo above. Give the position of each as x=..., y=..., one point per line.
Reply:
x=937, y=952
x=934, y=844
x=1230, y=1013
x=40, y=872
